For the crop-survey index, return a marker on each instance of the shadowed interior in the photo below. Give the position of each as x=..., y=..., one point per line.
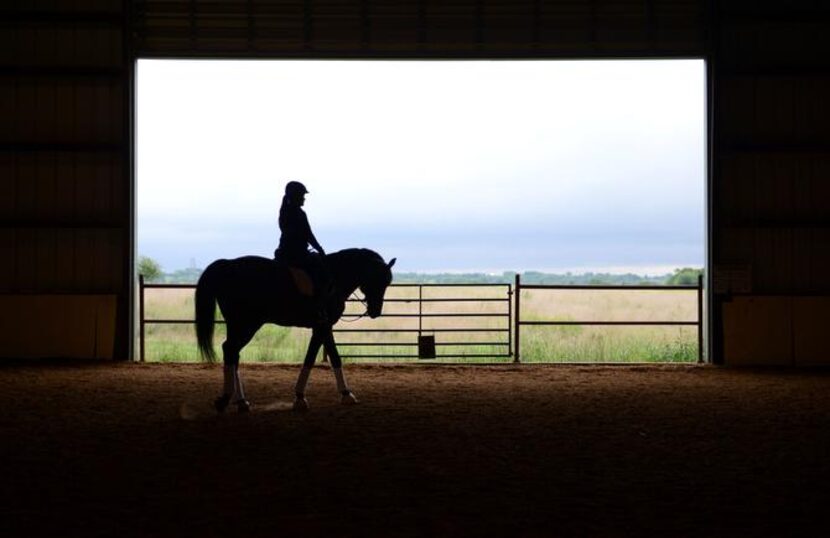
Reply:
x=137, y=450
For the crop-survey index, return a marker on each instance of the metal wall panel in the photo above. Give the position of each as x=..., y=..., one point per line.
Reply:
x=49, y=110
x=420, y=28
x=64, y=159
x=771, y=155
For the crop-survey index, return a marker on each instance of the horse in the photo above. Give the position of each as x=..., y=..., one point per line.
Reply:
x=253, y=290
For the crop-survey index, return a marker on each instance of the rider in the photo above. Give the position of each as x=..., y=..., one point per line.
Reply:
x=296, y=238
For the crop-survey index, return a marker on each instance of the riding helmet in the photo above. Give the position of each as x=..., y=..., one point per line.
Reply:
x=295, y=188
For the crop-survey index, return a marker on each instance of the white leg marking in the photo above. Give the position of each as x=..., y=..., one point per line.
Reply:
x=239, y=389
x=300, y=403
x=338, y=377
x=228, y=388
x=347, y=397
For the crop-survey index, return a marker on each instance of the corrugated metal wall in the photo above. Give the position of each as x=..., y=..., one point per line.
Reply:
x=65, y=149
x=407, y=28
x=65, y=218
x=771, y=190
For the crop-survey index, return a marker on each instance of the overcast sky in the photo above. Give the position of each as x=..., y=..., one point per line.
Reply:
x=446, y=165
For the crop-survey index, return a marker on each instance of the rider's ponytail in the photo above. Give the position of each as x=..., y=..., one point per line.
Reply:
x=286, y=201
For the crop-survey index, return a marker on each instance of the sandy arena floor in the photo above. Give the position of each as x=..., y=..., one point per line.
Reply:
x=135, y=450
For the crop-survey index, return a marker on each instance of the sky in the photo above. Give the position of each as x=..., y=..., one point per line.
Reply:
x=454, y=166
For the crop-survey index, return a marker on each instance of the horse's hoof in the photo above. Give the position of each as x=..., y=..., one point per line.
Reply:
x=243, y=406
x=348, y=398
x=221, y=403
x=300, y=404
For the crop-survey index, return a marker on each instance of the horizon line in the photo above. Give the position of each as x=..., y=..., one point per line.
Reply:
x=644, y=270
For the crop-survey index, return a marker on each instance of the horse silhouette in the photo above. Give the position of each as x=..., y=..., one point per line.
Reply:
x=252, y=291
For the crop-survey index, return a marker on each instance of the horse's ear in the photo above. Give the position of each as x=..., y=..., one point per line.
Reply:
x=391, y=263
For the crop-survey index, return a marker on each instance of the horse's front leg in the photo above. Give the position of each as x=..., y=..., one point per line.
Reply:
x=347, y=396
x=300, y=402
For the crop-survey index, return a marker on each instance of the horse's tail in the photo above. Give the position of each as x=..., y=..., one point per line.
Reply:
x=206, y=311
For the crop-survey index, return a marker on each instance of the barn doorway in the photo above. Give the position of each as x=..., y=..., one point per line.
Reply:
x=582, y=172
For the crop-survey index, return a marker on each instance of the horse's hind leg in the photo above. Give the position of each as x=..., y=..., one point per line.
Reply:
x=239, y=334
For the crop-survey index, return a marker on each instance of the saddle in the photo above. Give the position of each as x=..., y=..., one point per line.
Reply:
x=302, y=281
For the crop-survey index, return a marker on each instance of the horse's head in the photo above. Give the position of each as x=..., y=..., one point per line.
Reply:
x=374, y=285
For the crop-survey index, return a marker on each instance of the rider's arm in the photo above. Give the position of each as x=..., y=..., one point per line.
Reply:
x=313, y=241
x=310, y=235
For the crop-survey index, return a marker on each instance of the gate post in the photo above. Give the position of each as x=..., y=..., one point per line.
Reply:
x=517, y=293
x=141, y=317
x=700, y=319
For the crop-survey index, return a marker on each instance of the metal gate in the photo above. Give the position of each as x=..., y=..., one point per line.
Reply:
x=458, y=320
x=432, y=321
x=449, y=321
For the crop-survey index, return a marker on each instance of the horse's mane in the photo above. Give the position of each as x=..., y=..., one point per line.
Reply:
x=352, y=253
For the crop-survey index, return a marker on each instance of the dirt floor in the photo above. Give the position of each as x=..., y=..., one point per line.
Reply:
x=135, y=450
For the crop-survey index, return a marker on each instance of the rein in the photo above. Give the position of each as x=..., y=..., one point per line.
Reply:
x=363, y=315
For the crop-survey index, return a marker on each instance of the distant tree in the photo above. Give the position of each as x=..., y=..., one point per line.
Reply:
x=183, y=276
x=686, y=276
x=149, y=267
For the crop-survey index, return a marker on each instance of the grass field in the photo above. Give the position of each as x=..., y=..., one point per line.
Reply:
x=572, y=343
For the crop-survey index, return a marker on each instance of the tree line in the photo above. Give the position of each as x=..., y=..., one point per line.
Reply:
x=686, y=276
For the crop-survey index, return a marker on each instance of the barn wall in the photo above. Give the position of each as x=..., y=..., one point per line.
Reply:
x=65, y=218
x=771, y=180
x=420, y=28
x=65, y=149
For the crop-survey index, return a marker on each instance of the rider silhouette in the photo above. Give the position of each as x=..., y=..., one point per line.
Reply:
x=296, y=238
